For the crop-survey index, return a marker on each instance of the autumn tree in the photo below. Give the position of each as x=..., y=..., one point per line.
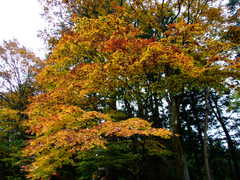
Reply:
x=16, y=79
x=142, y=60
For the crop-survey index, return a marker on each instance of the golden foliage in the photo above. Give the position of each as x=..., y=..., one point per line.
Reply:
x=98, y=57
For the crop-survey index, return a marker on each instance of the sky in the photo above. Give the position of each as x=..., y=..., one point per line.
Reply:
x=21, y=19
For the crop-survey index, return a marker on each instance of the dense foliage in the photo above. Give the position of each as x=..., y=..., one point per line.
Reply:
x=130, y=89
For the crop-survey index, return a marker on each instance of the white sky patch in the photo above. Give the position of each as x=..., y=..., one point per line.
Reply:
x=21, y=19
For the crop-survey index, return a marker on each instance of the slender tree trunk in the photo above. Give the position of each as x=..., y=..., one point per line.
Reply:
x=205, y=139
x=199, y=130
x=156, y=111
x=231, y=148
x=182, y=168
x=230, y=143
x=201, y=159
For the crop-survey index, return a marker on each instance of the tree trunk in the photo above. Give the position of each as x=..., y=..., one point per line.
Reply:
x=128, y=108
x=182, y=168
x=230, y=143
x=205, y=139
x=199, y=134
x=231, y=148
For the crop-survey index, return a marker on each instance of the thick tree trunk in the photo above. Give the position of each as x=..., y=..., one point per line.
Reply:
x=128, y=108
x=154, y=107
x=113, y=104
x=205, y=139
x=140, y=112
x=182, y=168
